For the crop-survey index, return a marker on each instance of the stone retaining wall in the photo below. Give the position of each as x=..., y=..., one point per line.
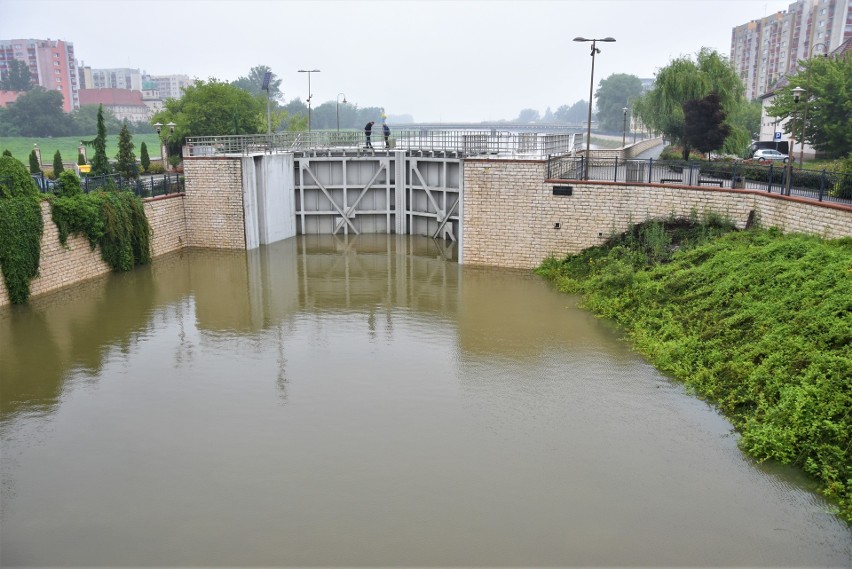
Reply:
x=513, y=219
x=60, y=266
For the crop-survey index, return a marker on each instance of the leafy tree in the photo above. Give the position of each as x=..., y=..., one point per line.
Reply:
x=253, y=83
x=613, y=94
x=144, y=159
x=35, y=167
x=661, y=109
x=100, y=163
x=58, y=168
x=81, y=159
x=828, y=98
x=85, y=120
x=704, y=125
x=38, y=113
x=212, y=108
x=572, y=114
x=548, y=116
x=126, y=159
x=528, y=116
x=7, y=152
x=17, y=77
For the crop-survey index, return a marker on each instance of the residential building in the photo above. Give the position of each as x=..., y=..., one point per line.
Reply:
x=769, y=126
x=764, y=50
x=51, y=63
x=124, y=104
x=122, y=78
x=169, y=86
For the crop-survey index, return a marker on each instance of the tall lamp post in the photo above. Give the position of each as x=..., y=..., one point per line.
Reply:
x=805, y=115
x=309, y=71
x=624, y=130
x=338, y=109
x=595, y=50
x=797, y=93
x=265, y=87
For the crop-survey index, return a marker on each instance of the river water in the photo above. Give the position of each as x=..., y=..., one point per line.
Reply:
x=366, y=402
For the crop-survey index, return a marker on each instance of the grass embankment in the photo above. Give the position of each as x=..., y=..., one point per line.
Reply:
x=20, y=147
x=757, y=322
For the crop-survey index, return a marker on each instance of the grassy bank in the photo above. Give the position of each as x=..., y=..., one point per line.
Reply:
x=20, y=147
x=756, y=322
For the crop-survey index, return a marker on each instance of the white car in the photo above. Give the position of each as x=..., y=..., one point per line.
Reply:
x=770, y=155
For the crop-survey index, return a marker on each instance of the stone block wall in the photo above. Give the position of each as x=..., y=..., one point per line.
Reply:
x=76, y=262
x=168, y=223
x=214, y=202
x=511, y=213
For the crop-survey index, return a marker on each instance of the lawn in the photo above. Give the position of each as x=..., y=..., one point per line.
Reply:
x=20, y=147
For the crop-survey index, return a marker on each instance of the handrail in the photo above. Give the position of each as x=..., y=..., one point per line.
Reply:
x=488, y=144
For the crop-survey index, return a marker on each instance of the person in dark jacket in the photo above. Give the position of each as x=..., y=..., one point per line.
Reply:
x=386, y=131
x=368, y=130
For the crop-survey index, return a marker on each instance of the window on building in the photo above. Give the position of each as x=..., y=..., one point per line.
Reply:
x=59, y=79
x=56, y=64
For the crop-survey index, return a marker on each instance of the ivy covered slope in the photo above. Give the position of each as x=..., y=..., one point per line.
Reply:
x=21, y=228
x=757, y=322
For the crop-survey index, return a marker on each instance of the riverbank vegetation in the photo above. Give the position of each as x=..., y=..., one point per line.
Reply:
x=757, y=322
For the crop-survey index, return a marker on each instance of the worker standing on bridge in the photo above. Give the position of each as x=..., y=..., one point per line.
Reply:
x=386, y=131
x=368, y=130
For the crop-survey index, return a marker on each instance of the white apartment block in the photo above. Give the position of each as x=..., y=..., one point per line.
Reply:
x=122, y=78
x=763, y=51
x=169, y=86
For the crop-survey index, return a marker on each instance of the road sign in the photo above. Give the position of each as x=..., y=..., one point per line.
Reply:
x=777, y=136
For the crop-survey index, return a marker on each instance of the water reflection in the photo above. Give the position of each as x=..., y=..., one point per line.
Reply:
x=365, y=401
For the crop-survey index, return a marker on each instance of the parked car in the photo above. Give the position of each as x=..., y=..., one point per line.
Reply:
x=770, y=155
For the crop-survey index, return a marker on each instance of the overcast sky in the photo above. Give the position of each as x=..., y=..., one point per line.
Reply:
x=436, y=60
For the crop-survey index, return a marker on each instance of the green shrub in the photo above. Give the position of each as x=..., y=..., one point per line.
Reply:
x=15, y=180
x=156, y=168
x=21, y=227
x=69, y=185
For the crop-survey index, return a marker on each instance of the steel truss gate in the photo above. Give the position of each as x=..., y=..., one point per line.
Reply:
x=378, y=193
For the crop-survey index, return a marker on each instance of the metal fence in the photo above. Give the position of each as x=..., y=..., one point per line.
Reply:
x=820, y=185
x=148, y=186
x=469, y=143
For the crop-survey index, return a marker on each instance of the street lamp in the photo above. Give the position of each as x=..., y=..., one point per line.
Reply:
x=309, y=71
x=591, y=87
x=805, y=115
x=797, y=93
x=624, y=129
x=338, y=109
x=267, y=77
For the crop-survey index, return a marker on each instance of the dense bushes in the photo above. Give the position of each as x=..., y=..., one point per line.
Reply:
x=757, y=322
x=21, y=228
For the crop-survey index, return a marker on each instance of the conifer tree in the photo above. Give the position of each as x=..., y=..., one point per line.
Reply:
x=58, y=168
x=100, y=163
x=35, y=167
x=143, y=157
x=126, y=159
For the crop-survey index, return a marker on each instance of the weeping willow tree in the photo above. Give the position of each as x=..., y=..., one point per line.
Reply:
x=685, y=80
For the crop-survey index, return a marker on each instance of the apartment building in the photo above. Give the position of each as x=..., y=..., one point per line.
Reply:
x=51, y=63
x=765, y=50
x=122, y=78
x=169, y=86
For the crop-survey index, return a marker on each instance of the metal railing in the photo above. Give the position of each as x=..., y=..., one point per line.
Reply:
x=146, y=186
x=820, y=185
x=468, y=143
